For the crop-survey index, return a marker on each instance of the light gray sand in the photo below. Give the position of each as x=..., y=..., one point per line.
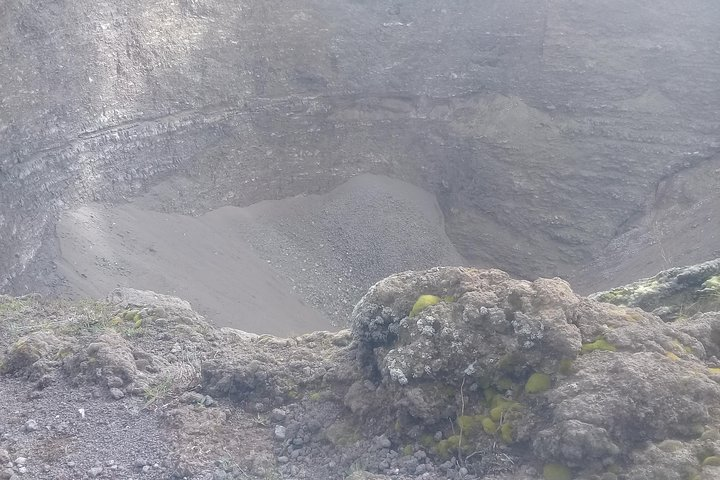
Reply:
x=281, y=267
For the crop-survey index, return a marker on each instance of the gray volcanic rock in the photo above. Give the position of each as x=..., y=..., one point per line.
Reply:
x=544, y=128
x=673, y=293
x=486, y=375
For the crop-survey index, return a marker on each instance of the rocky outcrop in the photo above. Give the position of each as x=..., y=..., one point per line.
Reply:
x=445, y=373
x=671, y=294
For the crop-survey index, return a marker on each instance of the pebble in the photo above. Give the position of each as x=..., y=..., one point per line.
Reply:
x=279, y=432
x=114, y=382
x=381, y=442
x=192, y=397
x=146, y=468
x=20, y=461
x=31, y=426
x=278, y=415
x=116, y=393
x=4, y=456
x=95, y=471
x=22, y=470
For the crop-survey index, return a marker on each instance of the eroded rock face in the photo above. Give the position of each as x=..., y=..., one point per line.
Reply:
x=444, y=370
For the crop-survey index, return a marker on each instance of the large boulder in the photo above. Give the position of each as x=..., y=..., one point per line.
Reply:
x=586, y=385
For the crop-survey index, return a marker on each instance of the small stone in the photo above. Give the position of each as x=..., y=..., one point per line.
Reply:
x=191, y=397
x=95, y=471
x=146, y=468
x=22, y=470
x=31, y=425
x=70, y=464
x=114, y=382
x=381, y=442
x=176, y=348
x=4, y=456
x=7, y=473
x=20, y=461
x=279, y=432
x=283, y=459
x=140, y=462
x=278, y=415
x=116, y=393
x=208, y=401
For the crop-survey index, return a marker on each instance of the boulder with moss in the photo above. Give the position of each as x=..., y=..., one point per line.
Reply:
x=584, y=383
x=674, y=293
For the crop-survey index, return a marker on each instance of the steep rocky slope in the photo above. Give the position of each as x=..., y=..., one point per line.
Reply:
x=446, y=373
x=545, y=128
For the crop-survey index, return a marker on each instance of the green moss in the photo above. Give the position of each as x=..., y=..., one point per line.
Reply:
x=470, y=424
x=408, y=450
x=554, y=471
x=538, y=383
x=506, y=433
x=423, y=302
x=672, y=356
x=501, y=411
x=451, y=445
x=599, y=344
x=129, y=315
x=566, y=366
x=713, y=461
x=712, y=283
x=489, y=426
x=427, y=440
x=505, y=384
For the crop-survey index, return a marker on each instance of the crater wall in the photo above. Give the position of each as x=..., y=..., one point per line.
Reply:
x=544, y=128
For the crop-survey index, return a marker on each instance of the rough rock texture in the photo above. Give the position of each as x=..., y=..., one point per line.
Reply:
x=673, y=293
x=485, y=377
x=545, y=128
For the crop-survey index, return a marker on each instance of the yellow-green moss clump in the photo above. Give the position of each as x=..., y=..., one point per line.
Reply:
x=489, y=426
x=470, y=424
x=554, y=471
x=712, y=283
x=423, y=302
x=599, y=344
x=712, y=461
x=451, y=445
x=506, y=433
x=538, y=383
x=500, y=407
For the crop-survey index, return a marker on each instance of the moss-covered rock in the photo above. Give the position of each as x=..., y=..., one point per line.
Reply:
x=538, y=383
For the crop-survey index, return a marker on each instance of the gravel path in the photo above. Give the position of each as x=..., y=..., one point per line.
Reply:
x=75, y=432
